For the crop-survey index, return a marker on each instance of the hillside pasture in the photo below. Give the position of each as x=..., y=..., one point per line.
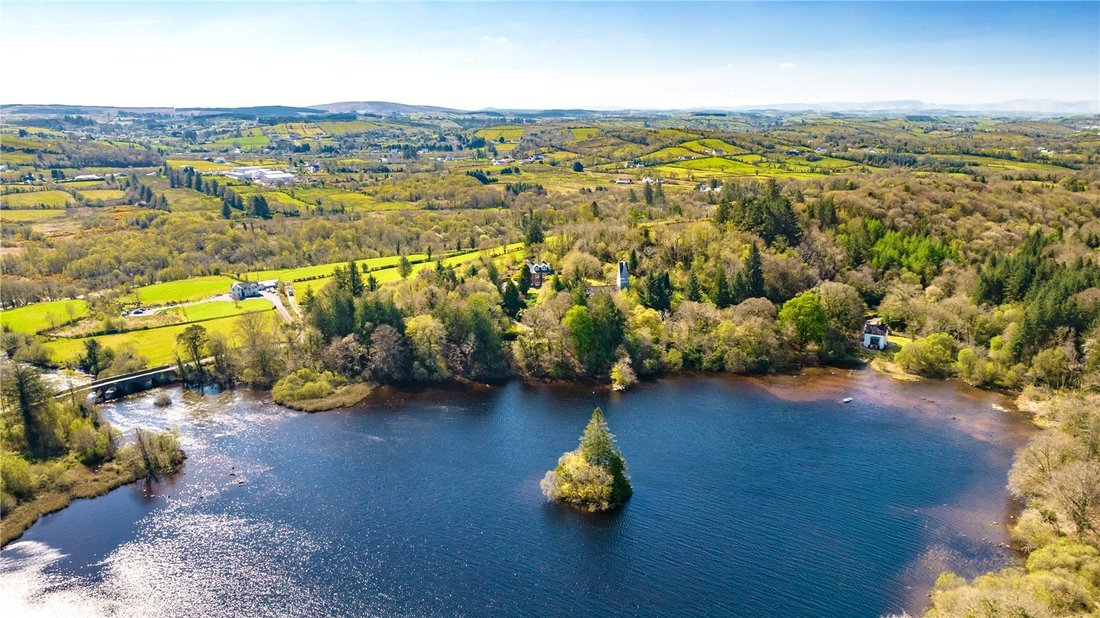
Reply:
x=181, y=291
x=701, y=146
x=158, y=345
x=30, y=319
x=199, y=165
x=56, y=199
x=96, y=195
x=181, y=199
x=31, y=214
x=347, y=126
x=508, y=132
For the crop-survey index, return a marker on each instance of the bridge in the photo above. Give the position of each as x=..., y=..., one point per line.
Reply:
x=127, y=383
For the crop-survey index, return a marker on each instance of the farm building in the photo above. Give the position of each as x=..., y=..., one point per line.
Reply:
x=622, y=181
x=241, y=290
x=268, y=285
x=261, y=175
x=540, y=273
x=874, y=336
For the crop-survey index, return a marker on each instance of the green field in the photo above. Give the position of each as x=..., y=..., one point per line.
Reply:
x=250, y=142
x=583, y=133
x=222, y=308
x=508, y=132
x=182, y=291
x=331, y=198
x=345, y=127
x=190, y=199
x=37, y=198
x=93, y=195
x=31, y=214
x=325, y=270
x=199, y=165
x=701, y=146
x=156, y=344
x=32, y=318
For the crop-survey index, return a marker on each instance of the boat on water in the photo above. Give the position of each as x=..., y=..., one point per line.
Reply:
x=846, y=400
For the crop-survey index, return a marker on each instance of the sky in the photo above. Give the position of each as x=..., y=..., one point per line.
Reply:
x=637, y=55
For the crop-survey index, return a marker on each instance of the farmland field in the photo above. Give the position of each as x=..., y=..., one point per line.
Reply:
x=30, y=319
x=156, y=344
x=250, y=142
x=37, y=198
x=188, y=199
x=508, y=132
x=184, y=290
x=324, y=270
x=221, y=308
x=350, y=126
x=199, y=165
x=31, y=214
x=93, y=195
x=583, y=133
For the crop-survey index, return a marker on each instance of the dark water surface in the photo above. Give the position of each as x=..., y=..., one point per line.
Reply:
x=752, y=498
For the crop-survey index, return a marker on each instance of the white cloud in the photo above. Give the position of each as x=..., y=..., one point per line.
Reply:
x=787, y=65
x=495, y=40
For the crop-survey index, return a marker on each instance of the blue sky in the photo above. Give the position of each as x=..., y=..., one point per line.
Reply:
x=536, y=55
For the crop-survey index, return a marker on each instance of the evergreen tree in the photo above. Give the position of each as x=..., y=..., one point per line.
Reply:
x=227, y=212
x=647, y=193
x=525, y=279
x=722, y=213
x=694, y=290
x=722, y=295
x=598, y=448
x=512, y=303
x=404, y=267
x=749, y=282
x=355, y=279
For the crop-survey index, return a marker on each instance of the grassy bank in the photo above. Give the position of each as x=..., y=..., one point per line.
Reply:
x=342, y=397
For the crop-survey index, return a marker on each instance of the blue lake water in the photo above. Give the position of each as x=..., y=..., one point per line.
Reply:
x=751, y=498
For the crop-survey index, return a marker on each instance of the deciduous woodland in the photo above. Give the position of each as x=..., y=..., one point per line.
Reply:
x=406, y=248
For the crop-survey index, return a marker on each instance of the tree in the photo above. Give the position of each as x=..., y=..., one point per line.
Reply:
x=750, y=280
x=656, y=291
x=694, y=290
x=721, y=294
x=578, y=166
x=805, y=315
x=24, y=391
x=404, y=267
x=722, y=213
x=259, y=348
x=594, y=476
x=258, y=207
x=932, y=356
x=227, y=212
x=192, y=344
x=524, y=279
x=647, y=193
x=355, y=279
x=512, y=303
x=96, y=357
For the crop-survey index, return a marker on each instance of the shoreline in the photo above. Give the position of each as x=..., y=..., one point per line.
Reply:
x=88, y=484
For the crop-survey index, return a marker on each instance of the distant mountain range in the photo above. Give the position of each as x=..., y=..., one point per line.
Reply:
x=1044, y=107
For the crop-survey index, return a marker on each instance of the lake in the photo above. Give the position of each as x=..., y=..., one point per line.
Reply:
x=752, y=497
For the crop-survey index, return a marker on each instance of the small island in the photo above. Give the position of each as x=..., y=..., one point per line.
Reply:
x=593, y=477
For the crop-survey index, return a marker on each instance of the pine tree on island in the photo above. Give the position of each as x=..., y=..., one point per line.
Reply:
x=593, y=477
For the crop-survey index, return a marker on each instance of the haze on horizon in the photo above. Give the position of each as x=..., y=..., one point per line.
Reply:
x=535, y=55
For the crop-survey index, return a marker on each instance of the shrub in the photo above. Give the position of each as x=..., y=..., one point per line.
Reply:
x=933, y=356
x=306, y=384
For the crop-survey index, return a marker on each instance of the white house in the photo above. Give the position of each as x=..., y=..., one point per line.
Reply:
x=622, y=181
x=875, y=336
x=241, y=290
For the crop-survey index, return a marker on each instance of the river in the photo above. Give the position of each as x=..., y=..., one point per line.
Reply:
x=752, y=497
